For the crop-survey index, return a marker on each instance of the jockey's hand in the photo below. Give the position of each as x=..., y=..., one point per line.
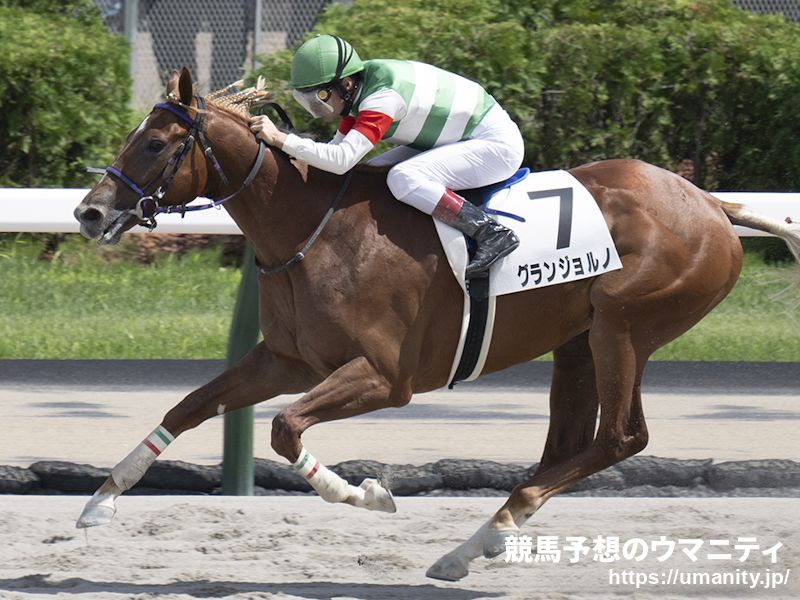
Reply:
x=265, y=130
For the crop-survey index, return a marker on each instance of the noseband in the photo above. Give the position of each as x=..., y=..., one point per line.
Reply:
x=148, y=206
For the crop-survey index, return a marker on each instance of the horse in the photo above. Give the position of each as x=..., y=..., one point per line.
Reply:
x=371, y=314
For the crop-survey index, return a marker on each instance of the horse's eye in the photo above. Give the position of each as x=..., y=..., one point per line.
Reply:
x=155, y=146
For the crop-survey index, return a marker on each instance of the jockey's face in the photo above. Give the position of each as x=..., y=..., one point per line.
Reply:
x=324, y=102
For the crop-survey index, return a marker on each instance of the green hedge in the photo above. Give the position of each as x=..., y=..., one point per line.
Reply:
x=666, y=81
x=64, y=92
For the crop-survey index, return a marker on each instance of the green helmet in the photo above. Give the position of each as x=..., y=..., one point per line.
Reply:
x=323, y=59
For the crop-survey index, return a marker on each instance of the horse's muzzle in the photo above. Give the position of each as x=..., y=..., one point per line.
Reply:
x=103, y=223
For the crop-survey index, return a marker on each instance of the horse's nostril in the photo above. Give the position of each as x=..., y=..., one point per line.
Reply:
x=91, y=214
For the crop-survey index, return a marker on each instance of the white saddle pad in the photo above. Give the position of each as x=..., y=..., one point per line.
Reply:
x=564, y=236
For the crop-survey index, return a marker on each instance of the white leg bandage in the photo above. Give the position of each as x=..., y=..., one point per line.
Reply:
x=133, y=467
x=487, y=541
x=332, y=488
x=328, y=484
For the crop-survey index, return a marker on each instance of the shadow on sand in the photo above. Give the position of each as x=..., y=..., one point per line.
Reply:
x=321, y=590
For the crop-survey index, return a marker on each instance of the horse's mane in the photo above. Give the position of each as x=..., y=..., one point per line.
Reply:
x=238, y=102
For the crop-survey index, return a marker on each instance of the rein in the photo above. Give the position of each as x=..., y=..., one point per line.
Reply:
x=313, y=238
x=148, y=207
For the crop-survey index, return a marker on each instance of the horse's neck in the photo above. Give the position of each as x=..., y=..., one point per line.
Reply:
x=283, y=206
x=286, y=202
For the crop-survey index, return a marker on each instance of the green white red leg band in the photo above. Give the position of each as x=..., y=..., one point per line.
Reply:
x=332, y=488
x=133, y=467
x=328, y=484
x=158, y=440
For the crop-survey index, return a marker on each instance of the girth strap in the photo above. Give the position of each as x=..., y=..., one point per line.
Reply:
x=478, y=289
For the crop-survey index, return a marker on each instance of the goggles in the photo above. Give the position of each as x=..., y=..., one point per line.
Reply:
x=315, y=101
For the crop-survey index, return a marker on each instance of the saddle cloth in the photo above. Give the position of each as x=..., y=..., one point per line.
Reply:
x=563, y=237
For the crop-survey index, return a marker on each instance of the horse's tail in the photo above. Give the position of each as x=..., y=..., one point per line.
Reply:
x=787, y=230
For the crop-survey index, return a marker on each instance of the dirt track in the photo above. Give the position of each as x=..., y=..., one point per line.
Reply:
x=289, y=548
x=301, y=548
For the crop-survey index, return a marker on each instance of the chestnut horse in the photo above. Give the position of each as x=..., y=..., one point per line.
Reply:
x=372, y=315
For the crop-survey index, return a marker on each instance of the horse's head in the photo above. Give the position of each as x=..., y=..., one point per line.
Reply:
x=150, y=172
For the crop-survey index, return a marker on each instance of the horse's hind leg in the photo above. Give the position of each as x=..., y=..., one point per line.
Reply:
x=621, y=433
x=573, y=402
x=573, y=418
x=258, y=376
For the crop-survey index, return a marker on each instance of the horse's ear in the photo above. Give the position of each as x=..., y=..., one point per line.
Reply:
x=180, y=86
x=172, y=85
x=185, y=87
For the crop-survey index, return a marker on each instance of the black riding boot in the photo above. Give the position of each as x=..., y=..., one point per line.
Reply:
x=494, y=241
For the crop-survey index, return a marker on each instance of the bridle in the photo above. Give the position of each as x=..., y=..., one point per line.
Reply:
x=148, y=206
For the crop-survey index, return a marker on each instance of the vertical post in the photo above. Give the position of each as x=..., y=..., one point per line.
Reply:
x=130, y=27
x=237, y=456
x=256, y=32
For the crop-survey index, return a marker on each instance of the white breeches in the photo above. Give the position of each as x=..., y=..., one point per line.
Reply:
x=493, y=153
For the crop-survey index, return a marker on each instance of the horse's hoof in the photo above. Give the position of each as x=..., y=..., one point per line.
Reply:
x=494, y=541
x=98, y=511
x=377, y=497
x=450, y=567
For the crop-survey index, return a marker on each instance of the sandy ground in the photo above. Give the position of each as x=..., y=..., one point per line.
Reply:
x=300, y=547
x=100, y=427
x=246, y=548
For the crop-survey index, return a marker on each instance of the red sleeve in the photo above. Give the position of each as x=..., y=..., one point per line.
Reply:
x=373, y=125
x=346, y=124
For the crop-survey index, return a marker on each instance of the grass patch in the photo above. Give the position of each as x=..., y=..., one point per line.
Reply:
x=94, y=302
x=758, y=321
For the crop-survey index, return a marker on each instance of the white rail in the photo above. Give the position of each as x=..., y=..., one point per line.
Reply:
x=50, y=210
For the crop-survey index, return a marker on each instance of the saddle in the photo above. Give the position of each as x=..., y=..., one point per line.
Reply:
x=481, y=196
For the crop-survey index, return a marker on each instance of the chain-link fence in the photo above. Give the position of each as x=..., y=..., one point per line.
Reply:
x=789, y=8
x=217, y=39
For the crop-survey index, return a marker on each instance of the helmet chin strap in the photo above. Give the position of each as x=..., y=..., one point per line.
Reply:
x=341, y=63
x=347, y=96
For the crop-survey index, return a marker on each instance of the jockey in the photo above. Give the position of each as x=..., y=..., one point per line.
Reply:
x=451, y=134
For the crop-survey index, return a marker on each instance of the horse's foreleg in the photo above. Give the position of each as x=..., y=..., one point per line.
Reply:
x=353, y=389
x=101, y=507
x=258, y=376
x=621, y=433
